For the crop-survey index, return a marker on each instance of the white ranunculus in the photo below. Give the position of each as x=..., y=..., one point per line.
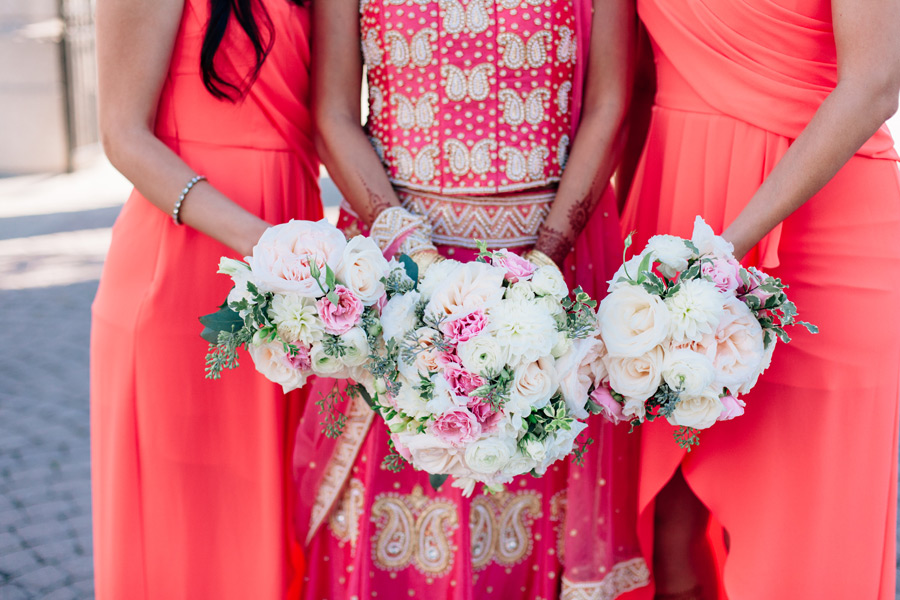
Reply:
x=483, y=353
x=632, y=321
x=362, y=268
x=520, y=291
x=518, y=464
x=409, y=401
x=356, y=347
x=562, y=346
x=576, y=374
x=271, y=360
x=553, y=308
x=628, y=271
x=296, y=318
x=533, y=386
x=430, y=454
x=325, y=365
x=525, y=328
x=708, y=243
x=548, y=281
x=687, y=371
x=671, y=252
x=466, y=288
x=436, y=273
x=739, y=347
x=699, y=412
x=560, y=445
x=399, y=315
x=282, y=257
x=535, y=449
x=489, y=455
x=694, y=310
x=636, y=378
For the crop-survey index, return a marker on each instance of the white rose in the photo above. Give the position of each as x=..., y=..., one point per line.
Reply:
x=636, y=378
x=362, y=268
x=282, y=257
x=296, y=318
x=356, y=347
x=271, y=360
x=687, y=371
x=399, y=315
x=576, y=374
x=430, y=454
x=466, y=288
x=325, y=365
x=533, y=385
x=708, y=243
x=671, y=252
x=559, y=445
x=627, y=272
x=482, y=353
x=525, y=328
x=739, y=346
x=699, y=412
x=436, y=274
x=694, y=310
x=520, y=291
x=548, y=281
x=491, y=454
x=632, y=321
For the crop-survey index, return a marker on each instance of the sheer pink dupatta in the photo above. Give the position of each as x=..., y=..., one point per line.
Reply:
x=601, y=553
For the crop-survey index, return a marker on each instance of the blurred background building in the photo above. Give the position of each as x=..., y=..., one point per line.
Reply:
x=48, y=85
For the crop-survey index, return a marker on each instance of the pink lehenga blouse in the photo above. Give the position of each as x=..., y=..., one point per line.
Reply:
x=472, y=109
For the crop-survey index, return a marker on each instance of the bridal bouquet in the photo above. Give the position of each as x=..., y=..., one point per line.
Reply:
x=686, y=330
x=305, y=303
x=472, y=375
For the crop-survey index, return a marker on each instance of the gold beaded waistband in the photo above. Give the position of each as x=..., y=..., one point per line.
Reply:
x=510, y=221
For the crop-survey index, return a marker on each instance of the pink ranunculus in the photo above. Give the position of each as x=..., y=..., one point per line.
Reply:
x=462, y=382
x=485, y=414
x=300, y=360
x=734, y=407
x=726, y=274
x=401, y=449
x=341, y=317
x=612, y=410
x=456, y=427
x=464, y=328
x=517, y=268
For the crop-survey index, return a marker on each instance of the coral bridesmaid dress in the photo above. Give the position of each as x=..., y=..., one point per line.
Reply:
x=805, y=482
x=189, y=475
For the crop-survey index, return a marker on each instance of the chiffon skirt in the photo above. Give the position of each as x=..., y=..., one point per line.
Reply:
x=805, y=482
x=191, y=477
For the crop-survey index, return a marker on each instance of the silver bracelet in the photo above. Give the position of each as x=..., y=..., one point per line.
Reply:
x=177, y=208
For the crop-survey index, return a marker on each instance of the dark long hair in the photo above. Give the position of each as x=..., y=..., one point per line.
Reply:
x=220, y=13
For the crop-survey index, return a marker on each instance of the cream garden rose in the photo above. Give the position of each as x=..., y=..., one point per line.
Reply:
x=362, y=268
x=577, y=374
x=272, y=361
x=739, y=346
x=699, y=412
x=466, y=288
x=687, y=371
x=533, y=386
x=632, y=321
x=548, y=281
x=636, y=378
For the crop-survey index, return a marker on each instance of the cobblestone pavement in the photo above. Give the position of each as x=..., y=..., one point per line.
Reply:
x=54, y=232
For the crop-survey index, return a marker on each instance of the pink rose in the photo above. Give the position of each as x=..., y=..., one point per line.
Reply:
x=379, y=304
x=401, y=449
x=612, y=410
x=464, y=328
x=341, y=317
x=300, y=360
x=726, y=274
x=517, y=268
x=734, y=407
x=485, y=414
x=757, y=278
x=461, y=381
x=456, y=427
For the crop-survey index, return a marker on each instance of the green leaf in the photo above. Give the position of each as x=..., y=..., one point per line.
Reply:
x=333, y=298
x=809, y=326
x=223, y=319
x=365, y=396
x=329, y=278
x=412, y=269
x=210, y=335
x=644, y=267
x=437, y=481
x=690, y=246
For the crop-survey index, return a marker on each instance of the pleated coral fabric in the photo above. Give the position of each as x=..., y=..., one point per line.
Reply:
x=805, y=482
x=190, y=494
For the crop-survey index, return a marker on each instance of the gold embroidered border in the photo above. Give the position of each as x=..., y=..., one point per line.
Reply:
x=359, y=419
x=623, y=577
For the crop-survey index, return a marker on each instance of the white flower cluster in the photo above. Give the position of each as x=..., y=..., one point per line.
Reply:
x=480, y=350
x=306, y=292
x=680, y=336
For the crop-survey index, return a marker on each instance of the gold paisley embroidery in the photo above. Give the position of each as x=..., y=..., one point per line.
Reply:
x=454, y=16
x=399, y=50
x=558, y=505
x=477, y=18
x=420, y=47
x=623, y=577
x=482, y=531
x=536, y=49
x=344, y=519
x=500, y=527
x=513, y=49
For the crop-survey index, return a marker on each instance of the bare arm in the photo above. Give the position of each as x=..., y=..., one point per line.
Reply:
x=865, y=96
x=134, y=47
x=340, y=140
x=591, y=161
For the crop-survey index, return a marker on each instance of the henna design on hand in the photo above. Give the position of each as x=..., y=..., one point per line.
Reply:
x=553, y=243
x=377, y=203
